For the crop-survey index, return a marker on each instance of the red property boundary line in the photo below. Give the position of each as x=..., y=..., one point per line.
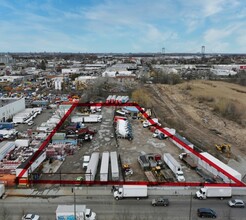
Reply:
x=237, y=182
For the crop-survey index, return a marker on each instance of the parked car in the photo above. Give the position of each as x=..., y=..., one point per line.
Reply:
x=79, y=179
x=236, y=203
x=160, y=202
x=31, y=217
x=206, y=213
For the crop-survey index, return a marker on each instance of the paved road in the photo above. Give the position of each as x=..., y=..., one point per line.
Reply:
x=181, y=207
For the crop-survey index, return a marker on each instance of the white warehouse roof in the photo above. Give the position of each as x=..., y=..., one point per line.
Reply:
x=6, y=147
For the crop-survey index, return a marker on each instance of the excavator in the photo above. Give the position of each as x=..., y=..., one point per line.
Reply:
x=224, y=148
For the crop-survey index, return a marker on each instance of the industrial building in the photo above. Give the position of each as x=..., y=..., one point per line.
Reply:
x=5, y=148
x=9, y=107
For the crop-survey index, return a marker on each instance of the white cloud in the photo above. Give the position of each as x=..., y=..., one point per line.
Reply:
x=214, y=35
x=134, y=26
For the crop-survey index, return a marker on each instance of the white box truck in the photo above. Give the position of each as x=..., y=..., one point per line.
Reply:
x=131, y=191
x=214, y=192
x=174, y=166
x=2, y=190
x=67, y=212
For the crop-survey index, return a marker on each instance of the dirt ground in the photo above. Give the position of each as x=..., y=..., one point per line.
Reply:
x=198, y=123
x=175, y=109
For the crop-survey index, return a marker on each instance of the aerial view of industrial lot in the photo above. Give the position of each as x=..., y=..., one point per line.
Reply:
x=122, y=133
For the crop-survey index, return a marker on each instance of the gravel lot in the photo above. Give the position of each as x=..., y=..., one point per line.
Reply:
x=104, y=140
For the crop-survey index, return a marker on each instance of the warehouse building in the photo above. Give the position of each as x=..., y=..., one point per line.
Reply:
x=9, y=107
x=5, y=148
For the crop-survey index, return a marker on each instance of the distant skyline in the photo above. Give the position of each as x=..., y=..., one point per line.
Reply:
x=123, y=26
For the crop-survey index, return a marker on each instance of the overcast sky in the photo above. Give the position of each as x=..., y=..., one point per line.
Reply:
x=123, y=26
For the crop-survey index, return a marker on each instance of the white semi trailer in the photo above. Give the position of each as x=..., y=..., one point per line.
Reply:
x=174, y=166
x=214, y=192
x=92, y=167
x=131, y=191
x=104, y=166
x=114, y=165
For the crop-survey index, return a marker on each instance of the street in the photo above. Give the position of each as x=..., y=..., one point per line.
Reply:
x=106, y=208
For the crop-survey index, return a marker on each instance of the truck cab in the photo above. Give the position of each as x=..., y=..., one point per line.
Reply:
x=180, y=176
x=89, y=215
x=201, y=194
x=118, y=193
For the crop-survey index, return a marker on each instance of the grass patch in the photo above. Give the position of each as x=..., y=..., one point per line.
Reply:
x=202, y=98
x=230, y=109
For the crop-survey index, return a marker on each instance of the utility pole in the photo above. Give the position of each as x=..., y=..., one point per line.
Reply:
x=74, y=201
x=190, y=206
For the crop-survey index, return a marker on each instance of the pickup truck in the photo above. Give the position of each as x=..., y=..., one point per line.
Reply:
x=160, y=202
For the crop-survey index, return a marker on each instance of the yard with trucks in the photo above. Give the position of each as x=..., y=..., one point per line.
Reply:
x=143, y=141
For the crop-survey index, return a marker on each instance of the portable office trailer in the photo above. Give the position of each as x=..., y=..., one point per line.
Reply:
x=104, y=166
x=114, y=165
x=92, y=167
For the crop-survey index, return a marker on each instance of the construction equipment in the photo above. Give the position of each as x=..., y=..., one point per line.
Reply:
x=127, y=169
x=224, y=148
x=158, y=174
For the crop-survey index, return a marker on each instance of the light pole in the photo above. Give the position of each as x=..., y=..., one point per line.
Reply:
x=190, y=206
x=74, y=200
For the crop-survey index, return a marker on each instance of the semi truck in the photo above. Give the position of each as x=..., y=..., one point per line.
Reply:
x=188, y=160
x=214, y=192
x=131, y=191
x=174, y=166
x=65, y=212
